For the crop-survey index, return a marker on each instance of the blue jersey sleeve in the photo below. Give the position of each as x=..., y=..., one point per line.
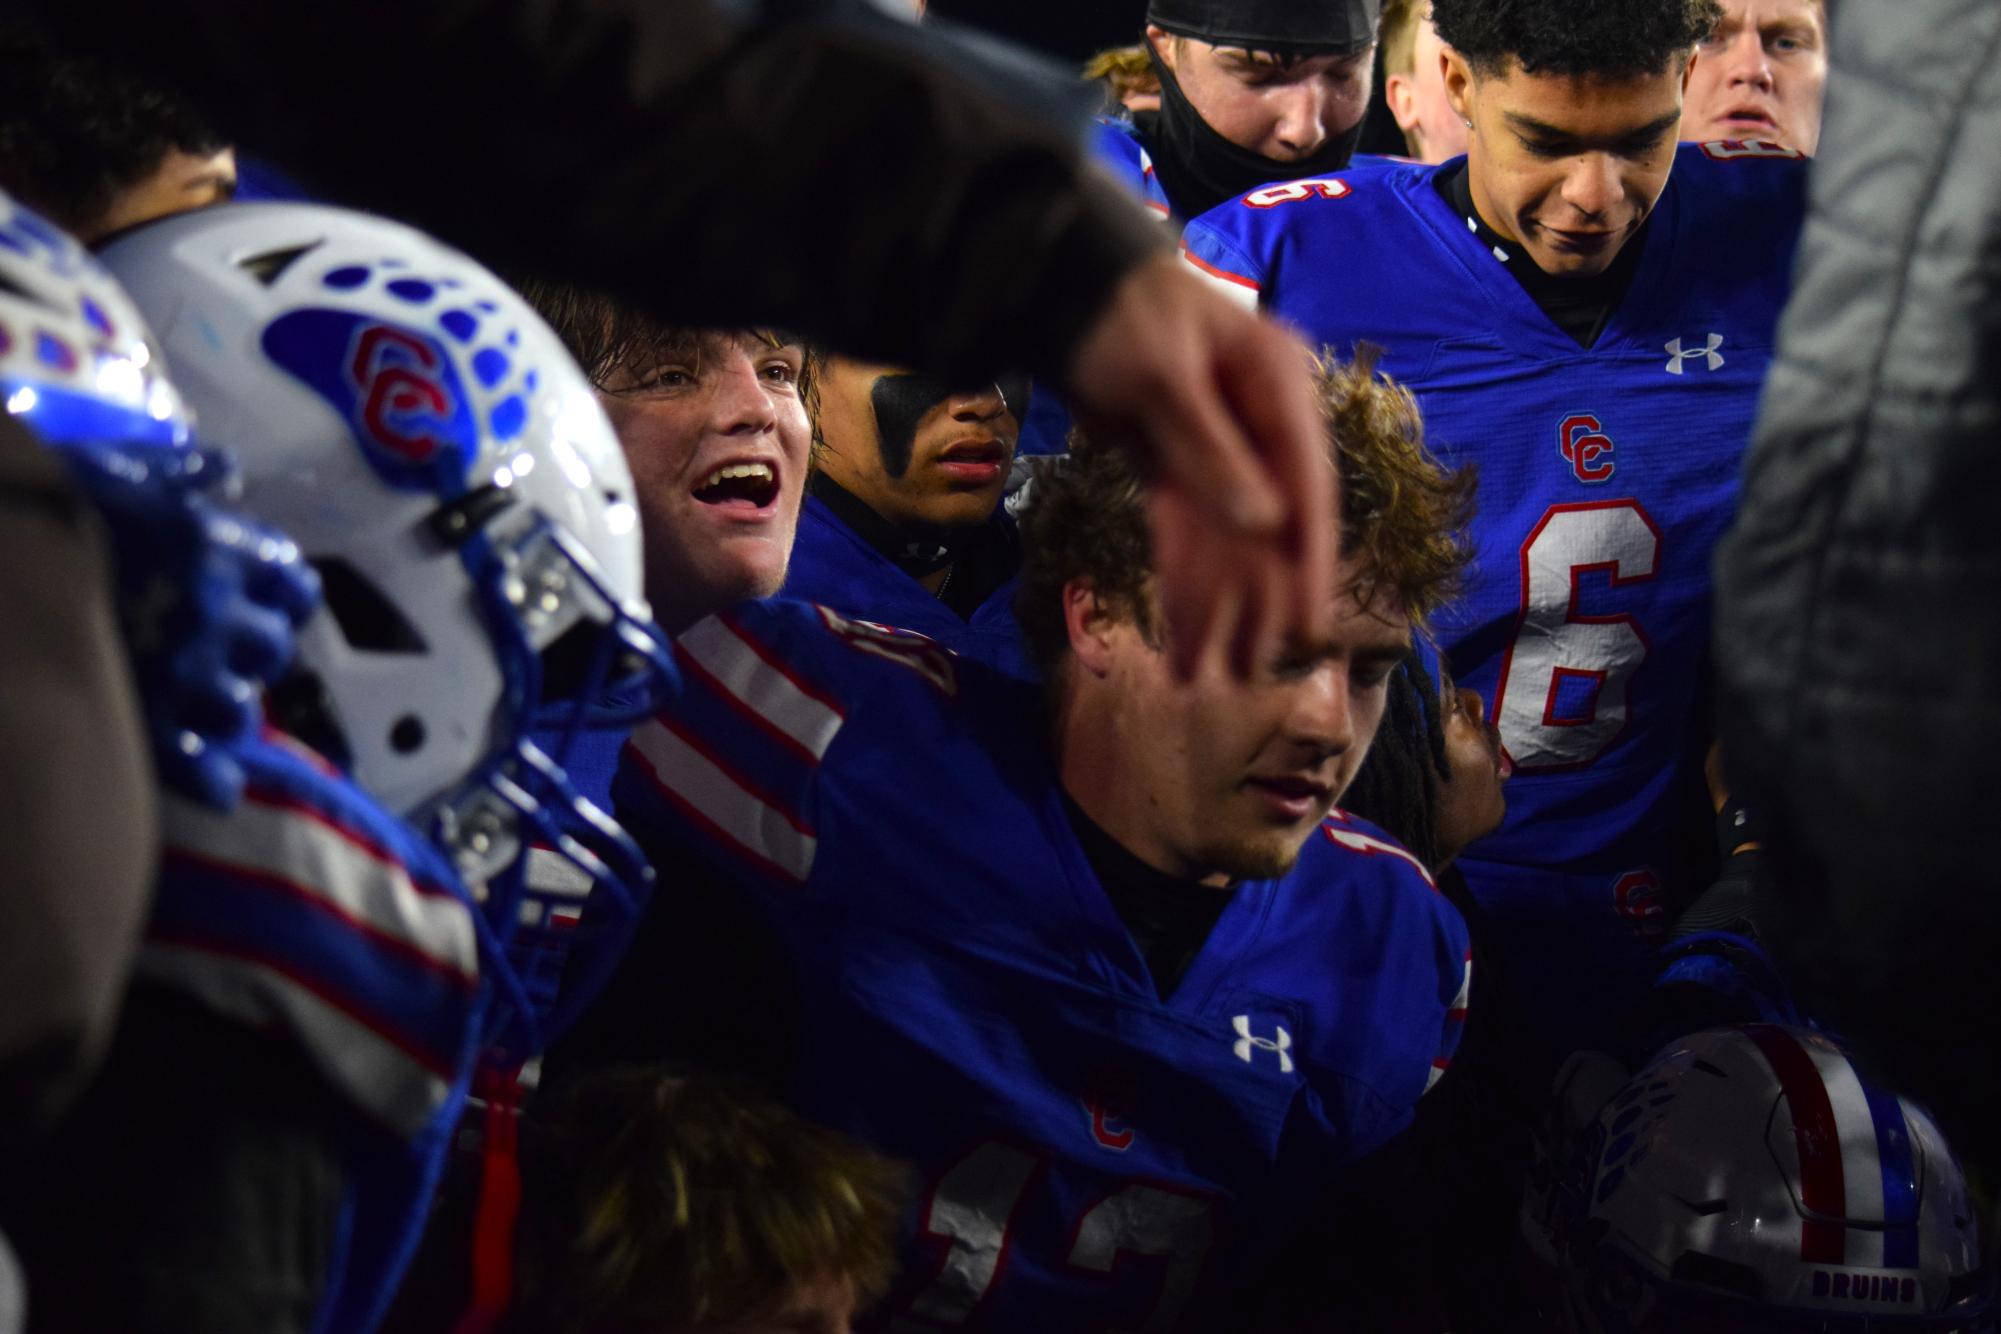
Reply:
x=1240, y=245
x=311, y=909
x=310, y=912
x=1116, y=145
x=729, y=767
x=1220, y=246
x=732, y=766
x=1416, y=967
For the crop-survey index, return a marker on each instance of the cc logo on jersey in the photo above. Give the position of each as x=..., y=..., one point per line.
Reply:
x=1636, y=896
x=1586, y=447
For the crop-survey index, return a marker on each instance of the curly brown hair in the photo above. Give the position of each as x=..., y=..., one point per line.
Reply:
x=1404, y=515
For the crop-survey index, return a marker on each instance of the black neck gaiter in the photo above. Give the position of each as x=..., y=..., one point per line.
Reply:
x=1200, y=169
x=917, y=549
x=1581, y=307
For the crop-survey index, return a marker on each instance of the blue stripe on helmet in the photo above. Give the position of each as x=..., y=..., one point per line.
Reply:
x=1900, y=1177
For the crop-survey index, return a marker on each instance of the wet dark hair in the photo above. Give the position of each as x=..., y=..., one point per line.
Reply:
x=1609, y=39
x=75, y=133
x=1397, y=785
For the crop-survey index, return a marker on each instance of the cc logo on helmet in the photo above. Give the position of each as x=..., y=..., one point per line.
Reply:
x=396, y=389
x=403, y=401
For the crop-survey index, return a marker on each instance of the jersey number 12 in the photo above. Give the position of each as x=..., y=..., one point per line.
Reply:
x=973, y=1208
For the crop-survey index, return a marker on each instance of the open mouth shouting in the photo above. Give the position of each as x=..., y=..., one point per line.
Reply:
x=749, y=487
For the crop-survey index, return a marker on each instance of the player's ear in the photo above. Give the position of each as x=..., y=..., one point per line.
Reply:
x=1400, y=92
x=1162, y=41
x=1458, y=83
x=1688, y=68
x=1091, y=625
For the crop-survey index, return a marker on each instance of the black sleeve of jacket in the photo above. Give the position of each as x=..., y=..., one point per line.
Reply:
x=826, y=170
x=1858, y=646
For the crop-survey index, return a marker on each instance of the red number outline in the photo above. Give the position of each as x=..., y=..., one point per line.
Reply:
x=1123, y=1258
x=1007, y=1230
x=1572, y=617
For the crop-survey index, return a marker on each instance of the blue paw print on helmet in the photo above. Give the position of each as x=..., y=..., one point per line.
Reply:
x=1635, y=1114
x=424, y=396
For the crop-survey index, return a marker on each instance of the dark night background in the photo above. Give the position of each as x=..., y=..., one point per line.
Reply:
x=1071, y=30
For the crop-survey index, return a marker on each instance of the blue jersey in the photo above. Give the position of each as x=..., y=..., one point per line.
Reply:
x=1092, y=1155
x=310, y=911
x=1117, y=145
x=835, y=565
x=1606, y=476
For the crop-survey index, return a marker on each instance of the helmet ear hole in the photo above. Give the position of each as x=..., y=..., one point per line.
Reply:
x=367, y=620
x=407, y=735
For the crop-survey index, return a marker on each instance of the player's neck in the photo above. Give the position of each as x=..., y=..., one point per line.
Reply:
x=1580, y=306
x=920, y=550
x=1090, y=766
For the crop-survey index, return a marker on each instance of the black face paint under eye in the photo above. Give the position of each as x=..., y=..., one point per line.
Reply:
x=900, y=402
x=1015, y=388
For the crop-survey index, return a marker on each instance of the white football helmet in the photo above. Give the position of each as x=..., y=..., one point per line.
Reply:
x=442, y=462
x=77, y=363
x=1752, y=1178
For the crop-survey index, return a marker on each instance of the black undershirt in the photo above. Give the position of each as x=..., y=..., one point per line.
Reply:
x=1581, y=307
x=981, y=559
x=1168, y=918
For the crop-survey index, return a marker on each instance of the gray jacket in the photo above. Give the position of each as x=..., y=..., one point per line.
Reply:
x=1859, y=594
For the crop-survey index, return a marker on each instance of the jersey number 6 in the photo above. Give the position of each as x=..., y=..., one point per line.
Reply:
x=1561, y=700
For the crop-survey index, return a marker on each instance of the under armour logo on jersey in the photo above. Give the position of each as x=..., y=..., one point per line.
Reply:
x=1710, y=357
x=1248, y=1044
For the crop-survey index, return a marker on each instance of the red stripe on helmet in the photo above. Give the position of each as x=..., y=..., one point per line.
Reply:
x=1823, y=1189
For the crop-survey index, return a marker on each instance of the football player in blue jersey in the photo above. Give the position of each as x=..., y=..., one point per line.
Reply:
x=318, y=972
x=1098, y=957
x=1251, y=91
x=903, y=521
x=715, y=428
x=1587, y=311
